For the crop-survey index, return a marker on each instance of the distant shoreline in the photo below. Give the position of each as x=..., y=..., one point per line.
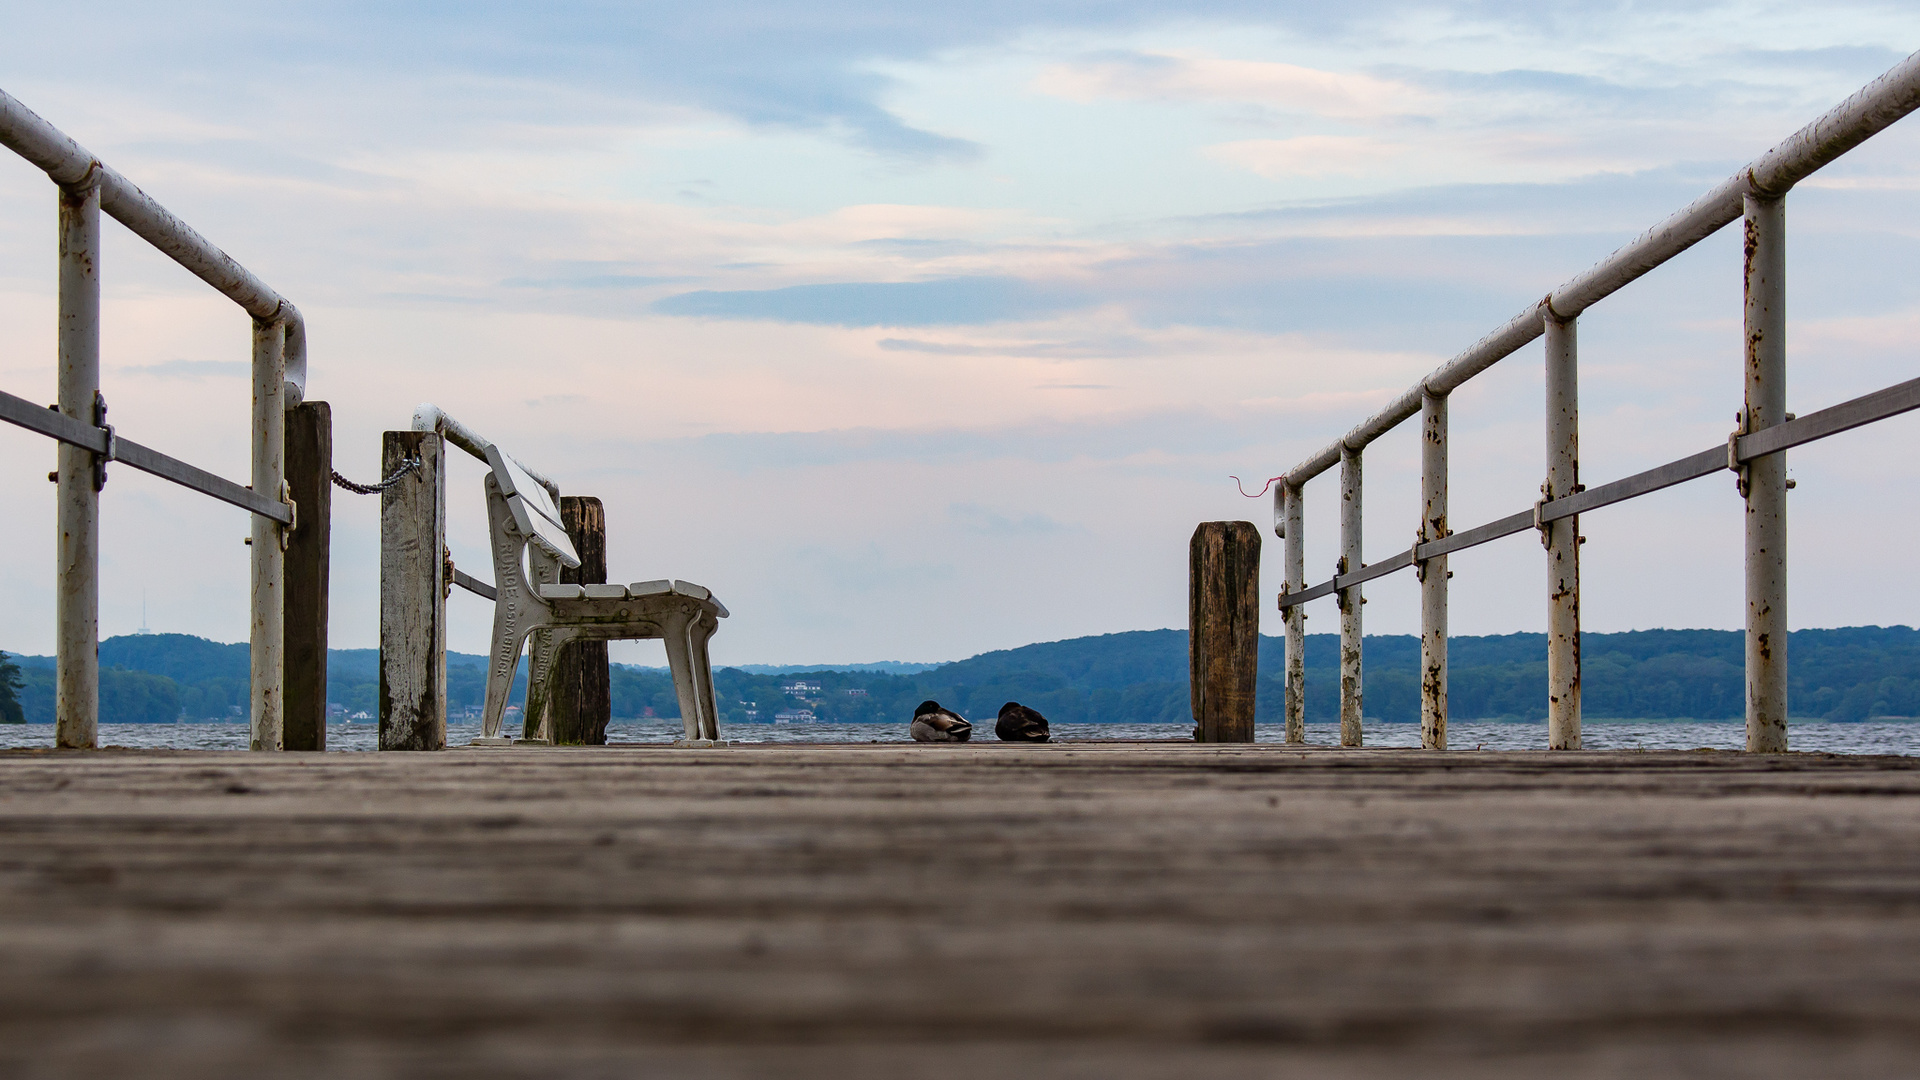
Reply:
x=1370, y=722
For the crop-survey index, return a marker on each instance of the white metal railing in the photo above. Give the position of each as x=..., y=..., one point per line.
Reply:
x=430, y=417
x=1754, y=451
x=78, y=421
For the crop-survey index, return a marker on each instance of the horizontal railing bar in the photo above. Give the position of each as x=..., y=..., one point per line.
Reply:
x=1460, y=541
x=151, y=461
x=52, y=423
x=1691, y=467
x=58, y=425
x=1347, y=581
x=1287, y=600
x=1868, y=112
x=1879, y=405
x=430, y=417
x=1865, y=409
x=69, y=164
x=1373, y=570
x=1857, y=412
x=474, y=585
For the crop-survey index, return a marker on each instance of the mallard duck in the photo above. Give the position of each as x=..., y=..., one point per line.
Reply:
x=931, y=723
x=1018, y=723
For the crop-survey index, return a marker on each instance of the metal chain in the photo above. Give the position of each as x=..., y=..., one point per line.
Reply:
x=407, y=466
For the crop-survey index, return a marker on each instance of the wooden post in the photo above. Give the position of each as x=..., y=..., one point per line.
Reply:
x=309, y=456
x=582, y=700
x=413, y=595
x=1223, y=628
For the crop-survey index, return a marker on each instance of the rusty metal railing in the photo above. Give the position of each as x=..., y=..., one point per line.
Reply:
x=87, y=187
x=1755, y=451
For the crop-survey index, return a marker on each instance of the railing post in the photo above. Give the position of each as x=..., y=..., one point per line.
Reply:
x=1350, y=597
x=1433, y=572
x=413, y=594
x=77, y=574
x=1764, y=480
x=1562, y=537
x=1296, y=580
x=268, y=636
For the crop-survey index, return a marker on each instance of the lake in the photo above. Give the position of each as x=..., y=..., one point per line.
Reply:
x=1871, y=737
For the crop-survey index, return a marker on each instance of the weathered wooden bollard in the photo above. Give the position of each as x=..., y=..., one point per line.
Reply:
x=413, y=594
x=582, y=699
x=1223, y=628
x=309, y=464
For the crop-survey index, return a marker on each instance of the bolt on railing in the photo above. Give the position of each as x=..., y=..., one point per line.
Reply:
x=1755, y=451
x=86, y=189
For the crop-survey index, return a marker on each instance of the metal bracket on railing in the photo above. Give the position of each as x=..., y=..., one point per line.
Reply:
x=293, y=515
x=1734, y=463
x=100, y=459
x=1733, y=456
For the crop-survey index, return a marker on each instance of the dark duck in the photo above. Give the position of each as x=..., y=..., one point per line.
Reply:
x=931, y=723
x=1018, y=723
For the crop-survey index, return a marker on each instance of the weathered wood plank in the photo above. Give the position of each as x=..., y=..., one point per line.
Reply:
x=1223, y=628
x=309, y=554
x=1129, y=912
x=413, y=595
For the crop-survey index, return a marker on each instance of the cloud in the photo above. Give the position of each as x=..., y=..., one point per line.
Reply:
x=193, y=369
x=869, y=568
x=1091, y=348
x=590, y=275
x=944, y=302
x=1622, y=203
x=975, y=518
x=1307, y=155
x=1111, y=439
x=1135, y=76
x=465, y=200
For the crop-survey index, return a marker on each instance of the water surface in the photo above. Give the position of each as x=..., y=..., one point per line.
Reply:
x=1872, y=737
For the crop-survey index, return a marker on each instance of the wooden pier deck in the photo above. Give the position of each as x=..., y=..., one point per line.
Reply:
x=958, y=911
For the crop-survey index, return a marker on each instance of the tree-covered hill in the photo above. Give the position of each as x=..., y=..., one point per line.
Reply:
x=10, y=711
x=1852, y=673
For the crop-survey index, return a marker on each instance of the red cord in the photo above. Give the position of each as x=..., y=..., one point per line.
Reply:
x=1263, y=487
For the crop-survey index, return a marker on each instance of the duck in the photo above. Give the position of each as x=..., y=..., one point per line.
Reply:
x=933, y=723
x=1018, y=723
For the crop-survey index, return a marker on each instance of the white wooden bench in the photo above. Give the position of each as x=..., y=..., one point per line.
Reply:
x=530, y=545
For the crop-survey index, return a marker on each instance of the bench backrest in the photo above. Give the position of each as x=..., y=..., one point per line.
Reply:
x=533, y=510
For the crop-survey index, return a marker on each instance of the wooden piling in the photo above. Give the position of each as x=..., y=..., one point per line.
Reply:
x=309, y=457
x=1223, y=628
x=413, y=596
x=582, y=698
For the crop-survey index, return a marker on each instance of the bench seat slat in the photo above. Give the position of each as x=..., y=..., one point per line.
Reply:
x=637, y=591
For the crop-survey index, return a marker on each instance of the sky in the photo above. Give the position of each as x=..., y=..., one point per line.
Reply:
x=915, y=331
